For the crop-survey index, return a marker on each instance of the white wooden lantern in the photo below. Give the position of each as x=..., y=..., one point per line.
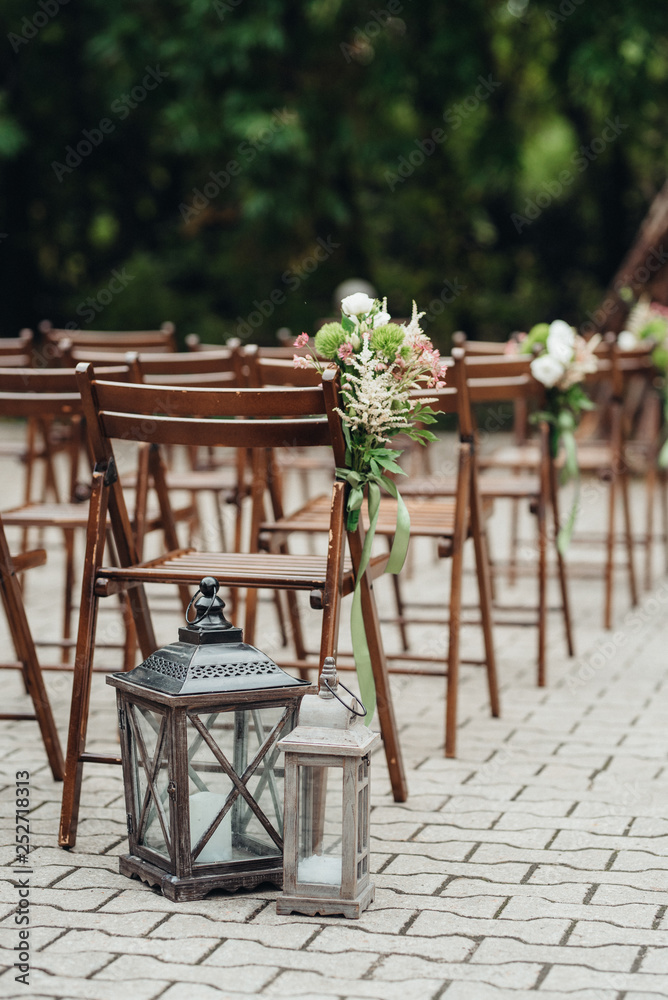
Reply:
x=326, y=805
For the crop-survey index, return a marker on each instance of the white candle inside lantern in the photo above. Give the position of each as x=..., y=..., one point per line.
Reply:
x=322, y=869
x=204, y=807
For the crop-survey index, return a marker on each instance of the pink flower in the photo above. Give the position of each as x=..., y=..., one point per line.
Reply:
x=345, y=351
x=301, y=341
x=301, y=362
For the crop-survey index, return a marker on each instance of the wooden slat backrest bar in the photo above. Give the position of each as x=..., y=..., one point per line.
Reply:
x=169, y=415
x=30, y=392
x=272, y=371
x=163, y=339
x=156, y=363
x=16, y=352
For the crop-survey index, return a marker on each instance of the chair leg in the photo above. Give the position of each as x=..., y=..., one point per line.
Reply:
x=561, y=564
x=83, y=665
x=514, y=539
x=68, y=537
x=385, y=708
x=484, y=578
x=459, y=534
x=25, y=652
x=649, y=523
x=610, y=552
x=542, y=590
x=628, y=539
x=399, y=602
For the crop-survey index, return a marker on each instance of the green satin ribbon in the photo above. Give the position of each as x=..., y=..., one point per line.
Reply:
x=395, y=563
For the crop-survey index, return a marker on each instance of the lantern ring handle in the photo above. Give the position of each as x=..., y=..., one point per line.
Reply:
x=349, y=707
x=199, y=617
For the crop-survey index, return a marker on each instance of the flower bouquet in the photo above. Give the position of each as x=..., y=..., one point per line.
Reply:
x=648, y=321
x=381, y=365
x=562, y=360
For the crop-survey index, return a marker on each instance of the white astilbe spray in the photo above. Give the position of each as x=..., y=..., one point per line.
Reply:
x=371, y=399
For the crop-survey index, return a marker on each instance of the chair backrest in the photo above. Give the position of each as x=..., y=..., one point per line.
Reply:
x=478, y=347
x=237, y=418
x=211, y=368
x=163, y=339
x=33, y=392
x=263, y=371
x=16, y=352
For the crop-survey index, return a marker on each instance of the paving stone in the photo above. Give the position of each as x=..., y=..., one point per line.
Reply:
x=291, y=984
x=243, y=979
x=563, y=892
x=240, y=953
x=560, y=977
x=655, y=879
x=345, y=940
x=462, y=991
x=73, y=988
x=77, y=899
x=126, y=924
x=540, y=931
x=78, y=965
x=188, y=950
x=512, y=975
x=606, y=957
x=222, y=907
x=593, y=932
x=433, y=834
x=629, y=915
x=656, y=961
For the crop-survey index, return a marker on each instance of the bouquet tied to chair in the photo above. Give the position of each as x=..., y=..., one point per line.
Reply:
x=381, y=365
x=648, y=323
x=562, y=361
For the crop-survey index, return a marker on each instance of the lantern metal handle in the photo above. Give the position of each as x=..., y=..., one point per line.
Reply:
x=199, y=617
x=349, y=707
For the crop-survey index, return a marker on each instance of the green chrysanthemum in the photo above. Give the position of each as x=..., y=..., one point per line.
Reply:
x=387, y=340
x=328, y=339
x=537, y=335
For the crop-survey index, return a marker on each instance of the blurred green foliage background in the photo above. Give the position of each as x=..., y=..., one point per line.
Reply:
x=491, y=159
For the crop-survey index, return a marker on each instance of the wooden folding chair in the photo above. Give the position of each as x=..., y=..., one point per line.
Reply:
x=163, y=339
x=498, y=379
x=19, y=629
x=48, y=397
x=449, y=522
x=233, y=418
x=16, y=352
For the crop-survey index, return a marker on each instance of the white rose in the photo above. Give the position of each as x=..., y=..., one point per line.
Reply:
x=381, y=318
x=627, y=341
x=356, y=304
x=547, y=370
x=561, y=341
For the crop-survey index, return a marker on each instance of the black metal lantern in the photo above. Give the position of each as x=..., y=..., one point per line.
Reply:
x=200, y=720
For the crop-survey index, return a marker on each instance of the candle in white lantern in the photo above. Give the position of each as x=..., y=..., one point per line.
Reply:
x=322, y=869
x=204, y=807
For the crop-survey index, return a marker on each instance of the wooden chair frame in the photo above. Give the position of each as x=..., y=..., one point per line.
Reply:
x=450, y=523
x=238, y=418
x=19, y=629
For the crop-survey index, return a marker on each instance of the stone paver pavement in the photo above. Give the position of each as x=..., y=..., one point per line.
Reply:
x=533, y=865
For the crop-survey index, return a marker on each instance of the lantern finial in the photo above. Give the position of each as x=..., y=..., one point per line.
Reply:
x=329, y=680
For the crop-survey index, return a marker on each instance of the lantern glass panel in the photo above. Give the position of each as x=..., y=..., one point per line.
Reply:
x=321, y=824
x=148, y=739
x=240, y=737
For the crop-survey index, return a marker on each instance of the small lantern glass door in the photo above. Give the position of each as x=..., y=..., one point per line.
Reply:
x=200, y=722
x=326, y=851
